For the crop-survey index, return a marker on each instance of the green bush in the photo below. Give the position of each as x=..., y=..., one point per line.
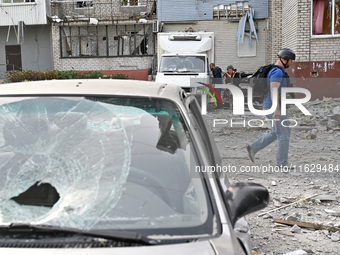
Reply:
x=91, y=75
x=119, y=76
x=62, y=75
x=29, y=75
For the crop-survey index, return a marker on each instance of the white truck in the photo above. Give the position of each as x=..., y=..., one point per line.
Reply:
x=183, y=58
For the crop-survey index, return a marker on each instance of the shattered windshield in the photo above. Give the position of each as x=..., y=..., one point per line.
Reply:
x=97, y=163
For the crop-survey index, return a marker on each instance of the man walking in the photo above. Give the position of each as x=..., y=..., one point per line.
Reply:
x=275, y=80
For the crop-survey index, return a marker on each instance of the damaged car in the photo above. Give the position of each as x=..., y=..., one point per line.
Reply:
x=115, y=167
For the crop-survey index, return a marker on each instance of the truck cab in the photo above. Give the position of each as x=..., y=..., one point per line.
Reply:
x=183, y=58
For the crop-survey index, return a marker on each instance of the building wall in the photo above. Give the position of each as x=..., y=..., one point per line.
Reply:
x=103, y=10
x=30, y=13
x=312, y=48
x=317, y=59
x=292, y=29
x=325, y=49
x=36, y=49
x=179, y=10
x=290, y=24
x=97, y=50
x=226, y=48
x=275, y=30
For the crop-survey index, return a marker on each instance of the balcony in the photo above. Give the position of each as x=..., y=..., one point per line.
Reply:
x=31, y=12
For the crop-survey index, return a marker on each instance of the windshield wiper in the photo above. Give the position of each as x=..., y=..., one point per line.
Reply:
x=109, y=234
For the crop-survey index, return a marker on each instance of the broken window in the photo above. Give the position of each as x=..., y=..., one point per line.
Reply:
x=133, y=2
x=101, y=163
x=326, y=17
x=83, y=4
x=231, y=11
x=109, y=41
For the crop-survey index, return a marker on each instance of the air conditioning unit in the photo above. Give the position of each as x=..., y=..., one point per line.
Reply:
x=155, y=26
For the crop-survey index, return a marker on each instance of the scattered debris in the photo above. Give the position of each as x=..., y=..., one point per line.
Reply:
x=297, y=252
x=333, y=213
x=325, y=115
x=285, y=232
x=325, y=198
x=255, y=253
x=335, y=237
x=313, y=158
x=295, y=229
x=308, y=225
x=309, y=136
x=292, y=218
x=289, y=204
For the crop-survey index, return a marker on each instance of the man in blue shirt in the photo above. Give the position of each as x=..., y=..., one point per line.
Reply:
x=276, y=79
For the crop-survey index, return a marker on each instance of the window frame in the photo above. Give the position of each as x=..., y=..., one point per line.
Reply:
x=96, y=46
x=76, y=7
x=333, y=35
x=139, y=3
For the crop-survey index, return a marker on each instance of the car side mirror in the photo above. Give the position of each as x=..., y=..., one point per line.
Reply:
x=245, y=198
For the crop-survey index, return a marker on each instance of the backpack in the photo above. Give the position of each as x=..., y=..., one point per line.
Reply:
x=258, y=80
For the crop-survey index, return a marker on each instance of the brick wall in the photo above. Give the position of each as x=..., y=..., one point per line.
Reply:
x=292, y=29
x=290, y=24
x=303, y=30
x=275, y=30
x=325, y=49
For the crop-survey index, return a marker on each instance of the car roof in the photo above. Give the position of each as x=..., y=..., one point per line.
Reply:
x=93, y=87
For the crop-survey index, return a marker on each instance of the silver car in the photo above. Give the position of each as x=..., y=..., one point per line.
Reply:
x=114, y=167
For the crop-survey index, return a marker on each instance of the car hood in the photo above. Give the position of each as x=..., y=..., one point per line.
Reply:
x=202, y=247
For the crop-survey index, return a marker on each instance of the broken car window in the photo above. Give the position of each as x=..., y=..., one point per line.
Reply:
x=97, y=163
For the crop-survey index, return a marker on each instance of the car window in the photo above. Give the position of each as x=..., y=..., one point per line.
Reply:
x=201, y=128
x=98, y=163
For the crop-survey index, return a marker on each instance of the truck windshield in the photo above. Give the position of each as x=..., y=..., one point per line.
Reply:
x=182, y=64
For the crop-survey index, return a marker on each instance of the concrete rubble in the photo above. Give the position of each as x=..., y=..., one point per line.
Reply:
x=315, y=151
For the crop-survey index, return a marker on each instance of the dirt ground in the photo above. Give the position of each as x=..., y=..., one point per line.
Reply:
x=315, y=151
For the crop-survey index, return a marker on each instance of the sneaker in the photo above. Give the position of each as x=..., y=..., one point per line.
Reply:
x=251, y=153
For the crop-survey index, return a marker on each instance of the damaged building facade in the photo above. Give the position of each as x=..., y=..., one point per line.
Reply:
x=312, y=29
x=240, y=28
x=108, y=36
x=309, y=27
x=119, y=36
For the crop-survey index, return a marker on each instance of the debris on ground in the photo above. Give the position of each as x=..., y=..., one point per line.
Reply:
x=317, y=171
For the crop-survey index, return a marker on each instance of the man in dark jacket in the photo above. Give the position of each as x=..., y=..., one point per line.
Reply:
x=217, y=73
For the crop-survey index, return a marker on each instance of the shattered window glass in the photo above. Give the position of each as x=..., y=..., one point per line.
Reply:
x=97, y=163
x=326, y=18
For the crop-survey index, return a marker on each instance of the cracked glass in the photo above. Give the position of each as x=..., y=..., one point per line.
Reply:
x=97, y=163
